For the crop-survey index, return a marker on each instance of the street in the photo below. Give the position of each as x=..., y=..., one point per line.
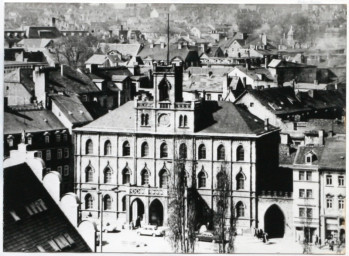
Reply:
x=129, y=241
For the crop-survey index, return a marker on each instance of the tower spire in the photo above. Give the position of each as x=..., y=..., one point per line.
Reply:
x=168, y=38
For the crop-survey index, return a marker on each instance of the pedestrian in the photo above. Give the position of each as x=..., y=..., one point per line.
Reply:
x=264, y=238
x=320, y=242
x=255, y=232
x=138, y=222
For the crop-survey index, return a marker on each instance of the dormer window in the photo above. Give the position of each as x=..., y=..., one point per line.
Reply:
x=310, y=157
x=10, y=140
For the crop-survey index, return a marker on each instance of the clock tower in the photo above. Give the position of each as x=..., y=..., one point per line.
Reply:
x=166, y=112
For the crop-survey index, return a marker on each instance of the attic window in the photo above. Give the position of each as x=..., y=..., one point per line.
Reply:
x=54, y=246
x=274, y=106
x=40, y=248
x=310, y=157
x=290, y=100
x=15, y=216
x=36, y=207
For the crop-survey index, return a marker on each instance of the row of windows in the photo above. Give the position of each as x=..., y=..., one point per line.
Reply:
x=329, y=203
x=59, y=169
x=60, y=154
x=305, y=175
x=47, y=139
x=107, y=204
x=329, y=180
x=308, y=194
x=126, y=150
x=305, y=212
x=126, y=177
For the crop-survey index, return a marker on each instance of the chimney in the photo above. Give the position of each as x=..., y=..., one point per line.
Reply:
x=266, y=61
x=53, y=22
x=264, y=39
x=39, y=78
x=62, y=69
x=266, y=124
x=321, y=137
x=244, y=82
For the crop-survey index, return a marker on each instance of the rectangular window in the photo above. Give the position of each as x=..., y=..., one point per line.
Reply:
x=341, y=203
x=208, y=96
x=48, y=154
x=58, y=138
x=66, y=170
x=301, y=175
x=329, y=202
x=301, y=193
x=47, y=139
x=301, y=212
x=220, y=98
x=59, y=169
x=65, y=137
x=59, y=153
x=309, y=212
x=66, y=153
x=308, y=175
x=251, y=104
x=340, y=180
x=30, y=140
x=328, y=180
x=309, y=193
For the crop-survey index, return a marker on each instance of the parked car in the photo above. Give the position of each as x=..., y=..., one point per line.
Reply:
x=208, y=236
x=150, y=230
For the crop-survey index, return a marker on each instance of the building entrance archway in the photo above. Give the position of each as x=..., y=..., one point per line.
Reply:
x=137, y=211
x=274, y=222
x=156, y=213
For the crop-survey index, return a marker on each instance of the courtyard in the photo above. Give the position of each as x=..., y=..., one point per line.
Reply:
x=128, y=241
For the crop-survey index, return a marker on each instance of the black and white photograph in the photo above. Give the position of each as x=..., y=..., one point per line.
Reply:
x=174, y=128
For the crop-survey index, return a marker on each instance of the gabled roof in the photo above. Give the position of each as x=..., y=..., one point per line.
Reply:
x=276, y=63
x=334, y=154
x=72, y=108
x=203, y=82
x=30, y=121
x=71, y=82
x=254, y=72
x=98, y=59
x=32, y=218
x=124, y=49
x=303, y=151
x=217, y=117
x=160, y=54
x=324, y=99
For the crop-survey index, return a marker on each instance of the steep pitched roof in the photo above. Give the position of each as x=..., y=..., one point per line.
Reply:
x=254, y=72
x=30, y=121
x=334, y=154
x=203, y=82
x=304, y=150
x=124, y=49
x=39, y=223
x=217, y=117
x=98, y=59
x=72, y=108
x=36, y=43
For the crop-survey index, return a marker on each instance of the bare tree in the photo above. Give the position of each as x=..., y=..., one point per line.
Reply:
x=224, y=217
x=182, y=208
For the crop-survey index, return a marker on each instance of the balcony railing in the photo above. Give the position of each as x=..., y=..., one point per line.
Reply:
x=276, y=194
x=147, y=191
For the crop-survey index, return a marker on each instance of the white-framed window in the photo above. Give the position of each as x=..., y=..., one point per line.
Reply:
x=301, y=193
x=309, y=193
x=66, y=170
x=10, y=142
x=48, y=154
x=59, y=169
x=58, y=138
x=309, y=213
x=301, y=175
x=308, y=175
x=47, y=139
x=30, y=140
x=59, y=153
x=340, y=180
x=301, y=212
x=340, y=203
x=66, y=153
x=329, y=202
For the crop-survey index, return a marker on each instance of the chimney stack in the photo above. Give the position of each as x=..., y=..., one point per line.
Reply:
x=39, y=78
x=53, y=22
x=244, y=82
x=321, y=137
x=62, y=69
x=266, y=61
x=264, y=39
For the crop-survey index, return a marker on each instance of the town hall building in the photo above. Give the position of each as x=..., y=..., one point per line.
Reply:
x=125, y=160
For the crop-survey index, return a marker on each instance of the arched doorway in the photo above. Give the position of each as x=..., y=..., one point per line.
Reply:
x=274, y=222
x=156, y=213
x=136, y=210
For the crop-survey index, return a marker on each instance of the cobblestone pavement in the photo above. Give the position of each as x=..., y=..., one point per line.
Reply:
x=129, y=241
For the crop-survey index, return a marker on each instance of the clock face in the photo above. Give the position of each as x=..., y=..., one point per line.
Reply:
x=164, y=120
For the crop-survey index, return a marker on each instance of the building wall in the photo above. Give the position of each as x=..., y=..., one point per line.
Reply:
x=16, y=94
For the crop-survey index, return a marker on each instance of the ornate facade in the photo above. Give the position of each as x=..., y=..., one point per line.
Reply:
x=125, y=160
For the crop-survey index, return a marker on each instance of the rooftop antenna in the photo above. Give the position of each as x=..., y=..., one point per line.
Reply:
x=168, y=38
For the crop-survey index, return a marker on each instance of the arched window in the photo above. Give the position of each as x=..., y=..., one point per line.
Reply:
x=163, y=178
x=107, y=175
x=89, y=147
x=221, y=152
x=144, y=149
x=107, y=148
x=183, y=151
x=88, y=201
x=202, y=151
x=142, y=119
x=145, y=177
x=180, y=121
x=163, y=150
x=185, y=121
x=202, y=179
x=88, y=174
x=126, y=149
x=240, y=181
x=107, y=202
x=126, y=176
x=240, y=153
x=240, y=210
x=164, y=88
x=123, y=203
